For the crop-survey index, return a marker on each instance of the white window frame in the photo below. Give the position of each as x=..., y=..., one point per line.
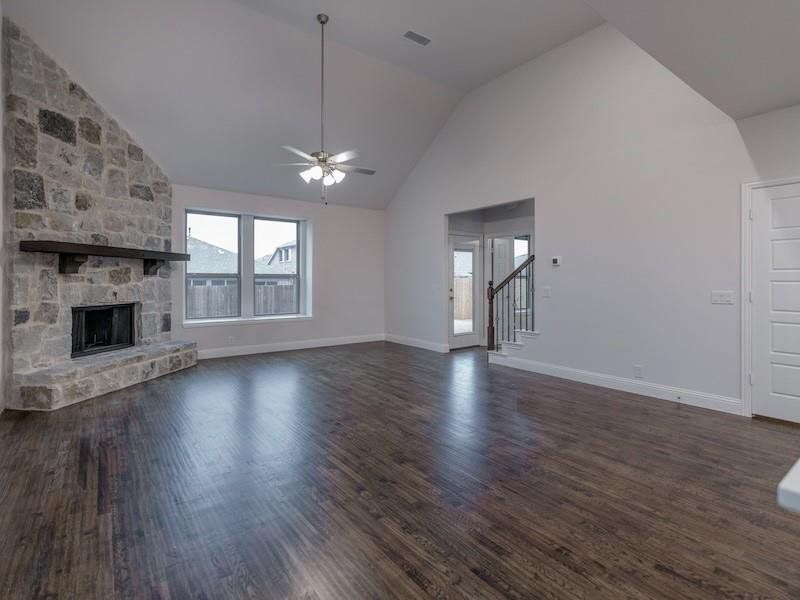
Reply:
x=298, y=276
x=247, y=277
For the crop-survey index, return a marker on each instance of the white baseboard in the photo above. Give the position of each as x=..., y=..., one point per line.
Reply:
x=635, y=386
x=427, y=345
x=283, y=346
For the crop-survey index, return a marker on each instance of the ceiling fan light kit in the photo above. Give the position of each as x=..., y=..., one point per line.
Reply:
x=329, y=168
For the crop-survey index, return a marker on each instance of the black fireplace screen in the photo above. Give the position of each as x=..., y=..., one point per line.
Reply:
x=101, y=328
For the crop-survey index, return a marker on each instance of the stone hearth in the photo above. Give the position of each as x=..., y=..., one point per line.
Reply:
x=90, y=376
x=74, y=175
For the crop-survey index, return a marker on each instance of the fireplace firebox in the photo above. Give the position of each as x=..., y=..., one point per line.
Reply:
x=102, y=328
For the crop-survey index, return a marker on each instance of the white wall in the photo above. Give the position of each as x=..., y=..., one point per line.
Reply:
x=773, y=140
x=637, y=186
x=348, y=284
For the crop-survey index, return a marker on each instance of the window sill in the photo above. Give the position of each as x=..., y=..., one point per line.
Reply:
x=242, y=321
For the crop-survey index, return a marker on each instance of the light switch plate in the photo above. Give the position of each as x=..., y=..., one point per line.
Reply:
x=547, y=291
x=723, y=297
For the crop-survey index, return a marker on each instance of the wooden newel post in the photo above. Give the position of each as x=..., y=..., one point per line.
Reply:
x=490, y=328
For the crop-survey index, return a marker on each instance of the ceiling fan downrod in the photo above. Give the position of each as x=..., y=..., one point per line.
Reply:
x=322, y=19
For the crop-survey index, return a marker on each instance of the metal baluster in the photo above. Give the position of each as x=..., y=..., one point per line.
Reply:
x=527, y=294
x=505, y=316
x=528, y=303
x=499, y=319
x=514, y=298
x=490, y=314
x=533, y=298
x=502, y=322
x=527, y=297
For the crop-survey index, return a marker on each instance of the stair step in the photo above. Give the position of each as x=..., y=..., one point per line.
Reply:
x=526, y=333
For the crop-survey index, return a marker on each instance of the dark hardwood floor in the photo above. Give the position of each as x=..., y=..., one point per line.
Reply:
x=381, y=471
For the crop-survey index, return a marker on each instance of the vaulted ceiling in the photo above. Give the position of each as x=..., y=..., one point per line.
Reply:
x=473, y=41
x=740, y=54
x=213, y=88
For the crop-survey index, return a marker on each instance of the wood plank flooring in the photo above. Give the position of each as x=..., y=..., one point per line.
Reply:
x=381, y=471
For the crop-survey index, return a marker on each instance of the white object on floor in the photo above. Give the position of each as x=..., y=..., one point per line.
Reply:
x=789, y=489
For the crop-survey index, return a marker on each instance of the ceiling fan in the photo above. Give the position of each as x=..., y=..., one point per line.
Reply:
x=321, y=165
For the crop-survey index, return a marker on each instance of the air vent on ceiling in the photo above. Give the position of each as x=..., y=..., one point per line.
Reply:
x=417, y=38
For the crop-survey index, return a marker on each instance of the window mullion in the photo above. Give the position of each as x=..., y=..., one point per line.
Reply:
x=247, y=267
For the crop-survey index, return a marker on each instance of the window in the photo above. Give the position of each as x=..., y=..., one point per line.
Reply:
x=212, y=274
x=275, y=267
x=220, y=285
x=284, y=254
x=521, y=249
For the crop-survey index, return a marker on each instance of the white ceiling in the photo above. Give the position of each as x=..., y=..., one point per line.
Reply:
x=473, y=41
x=213, y=88
x=743, y=55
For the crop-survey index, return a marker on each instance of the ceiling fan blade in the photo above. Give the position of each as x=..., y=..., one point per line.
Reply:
x=343, y=157
x=299, y=153
x=294, y=165
x=353, y=169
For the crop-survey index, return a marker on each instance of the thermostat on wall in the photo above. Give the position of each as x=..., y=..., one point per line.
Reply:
x=556, y=261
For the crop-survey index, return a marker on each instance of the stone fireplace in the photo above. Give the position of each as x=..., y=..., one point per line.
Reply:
x=74, y=175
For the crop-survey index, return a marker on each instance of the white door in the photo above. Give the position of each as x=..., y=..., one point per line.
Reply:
x=502, y=258
x=465, y=301
x=776, y=302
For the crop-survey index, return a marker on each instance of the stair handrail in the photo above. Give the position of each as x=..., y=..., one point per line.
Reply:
x=493, y=291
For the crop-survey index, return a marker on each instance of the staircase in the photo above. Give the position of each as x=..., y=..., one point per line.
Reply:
x=511, y=310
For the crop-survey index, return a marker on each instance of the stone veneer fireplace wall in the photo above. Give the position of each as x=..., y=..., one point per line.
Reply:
x=73, y=174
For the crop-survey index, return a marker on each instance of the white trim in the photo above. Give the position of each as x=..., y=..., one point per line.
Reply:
x=243, y=320
x=475, y=244
x=746, y=325
x=283, y=346
x=304, y=251
x=747, y=284
x=634, y=386
x=425, y=344
x=465, y=234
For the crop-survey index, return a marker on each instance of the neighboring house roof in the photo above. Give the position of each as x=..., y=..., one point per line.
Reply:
x=272, y=258
x=268, y=264
x=208, y=258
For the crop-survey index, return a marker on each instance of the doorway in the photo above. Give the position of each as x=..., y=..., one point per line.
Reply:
x=771, y=330
x=464, y=314
x=492, y=240
x=504, y=253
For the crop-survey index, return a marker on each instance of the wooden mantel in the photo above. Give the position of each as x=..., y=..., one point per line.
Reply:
x=71, y=256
